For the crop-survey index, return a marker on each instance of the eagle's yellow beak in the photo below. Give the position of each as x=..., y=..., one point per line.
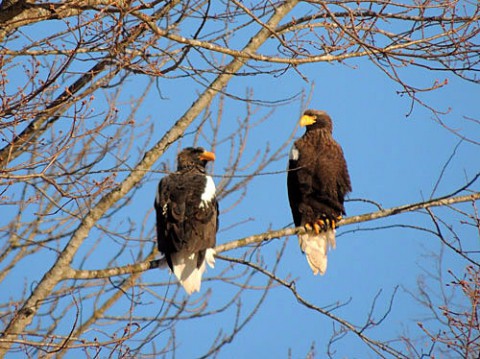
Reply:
x=307, y=120
x=207, y=156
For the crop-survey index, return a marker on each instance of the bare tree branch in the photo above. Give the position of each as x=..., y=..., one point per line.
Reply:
x=267, y=236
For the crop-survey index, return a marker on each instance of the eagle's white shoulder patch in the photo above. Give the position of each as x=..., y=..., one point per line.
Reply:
x=294, y=154
x=208, y=193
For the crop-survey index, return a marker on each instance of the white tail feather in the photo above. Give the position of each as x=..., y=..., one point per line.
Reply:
x=210, y=257
x=315, y=247
x=186, y=271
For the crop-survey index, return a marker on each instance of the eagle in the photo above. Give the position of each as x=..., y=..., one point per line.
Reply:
x=317, y=182
x=187, y=217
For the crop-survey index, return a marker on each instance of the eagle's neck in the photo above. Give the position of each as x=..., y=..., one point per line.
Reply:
x=317, y=134
x=191, y=168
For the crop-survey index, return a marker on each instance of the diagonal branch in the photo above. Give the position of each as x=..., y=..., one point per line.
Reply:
x=25, y=315
x=45, y=119
x=350, y=220
x=53, y=111
x=376, y=345
x=267, y=236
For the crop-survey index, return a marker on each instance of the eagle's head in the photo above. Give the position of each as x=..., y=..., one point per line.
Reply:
x=194, y=157
x=314, y=119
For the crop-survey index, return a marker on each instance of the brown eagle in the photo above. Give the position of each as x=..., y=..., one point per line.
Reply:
x=187, y=218
x=317, y=183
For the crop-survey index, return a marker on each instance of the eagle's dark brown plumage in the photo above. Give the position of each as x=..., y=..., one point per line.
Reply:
x=317, y=181
x=187, y=217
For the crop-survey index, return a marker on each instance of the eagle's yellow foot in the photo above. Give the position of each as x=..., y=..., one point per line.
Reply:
x=328, y=224
x=322, y=224
x=315, y=227
x=334, y=222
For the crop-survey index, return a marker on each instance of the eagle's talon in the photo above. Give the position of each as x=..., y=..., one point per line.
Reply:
x=322, y=223
x=317, y=228
x=327, y=224
x=308, y=227
x=333, y=224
